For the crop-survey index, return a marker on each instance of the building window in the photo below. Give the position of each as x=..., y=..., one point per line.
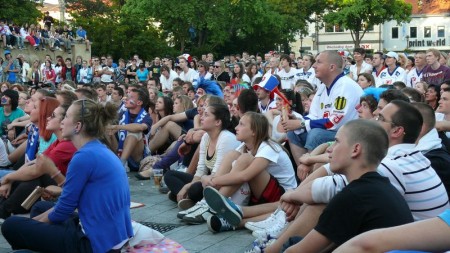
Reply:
x=427, y=32
x=441, y=31
x=413, y=32
x=395, y=32
x=329, y=28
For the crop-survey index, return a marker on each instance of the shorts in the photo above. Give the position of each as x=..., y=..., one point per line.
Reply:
x=272, y=193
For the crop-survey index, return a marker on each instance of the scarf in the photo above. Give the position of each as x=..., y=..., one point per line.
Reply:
x=126, y=120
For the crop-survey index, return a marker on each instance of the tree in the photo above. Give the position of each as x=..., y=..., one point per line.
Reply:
x=20, y=11
x=360, y=15
x=225, y=26
x=117, y=33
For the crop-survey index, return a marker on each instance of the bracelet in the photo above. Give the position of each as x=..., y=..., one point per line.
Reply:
x=56, y=174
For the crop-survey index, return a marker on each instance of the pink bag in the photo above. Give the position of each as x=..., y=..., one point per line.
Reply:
x=165, y=246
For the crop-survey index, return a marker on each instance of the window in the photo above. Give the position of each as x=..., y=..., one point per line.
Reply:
x=395, y=32
x=413, y=32
x=441, y=31
x=329, y=28
x=427, y=32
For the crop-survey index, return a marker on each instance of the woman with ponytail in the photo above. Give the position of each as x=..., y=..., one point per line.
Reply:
x=96, y=185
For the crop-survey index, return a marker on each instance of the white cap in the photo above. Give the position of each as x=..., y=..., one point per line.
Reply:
x=392, y=55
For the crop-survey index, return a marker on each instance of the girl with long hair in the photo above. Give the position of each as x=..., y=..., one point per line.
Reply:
x=96, y=182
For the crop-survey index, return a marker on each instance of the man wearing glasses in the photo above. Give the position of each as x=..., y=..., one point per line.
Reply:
x=219, y=74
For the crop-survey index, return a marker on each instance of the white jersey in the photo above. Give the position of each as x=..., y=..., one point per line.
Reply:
x=414, y=76
x=332, y=108
x=309, y=75
x=386, y=77
x=166, y=83
x=263, y=109
x=288, y=79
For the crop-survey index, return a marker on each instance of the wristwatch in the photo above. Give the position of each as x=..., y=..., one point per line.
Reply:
x=302, y=124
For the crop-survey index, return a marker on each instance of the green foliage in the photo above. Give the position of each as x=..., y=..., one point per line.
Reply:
x=224, y=26
x=20, y=11
x=359, y=15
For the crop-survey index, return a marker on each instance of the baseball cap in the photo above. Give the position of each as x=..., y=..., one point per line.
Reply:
x=7, y=52
x=392, y=55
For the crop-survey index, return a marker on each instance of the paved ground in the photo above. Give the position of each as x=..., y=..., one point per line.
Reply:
x=159, y=209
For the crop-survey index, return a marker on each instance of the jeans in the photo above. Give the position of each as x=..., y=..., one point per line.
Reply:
x=26, y=233
x=310, y=140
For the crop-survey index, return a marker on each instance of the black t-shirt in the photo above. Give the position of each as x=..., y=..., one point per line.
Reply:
x=190, y=113
x=223, y=77
x=156, y=71
x=131, y=69
x=440, y=162
x=367, y=203
x=48, y=20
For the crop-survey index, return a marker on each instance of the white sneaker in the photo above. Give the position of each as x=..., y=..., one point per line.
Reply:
x=273, y=232
x=197, y=205
x=278, y=217
x=199, y=216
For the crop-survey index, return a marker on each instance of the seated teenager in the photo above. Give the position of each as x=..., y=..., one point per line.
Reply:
x=186, y=116
x=259, y=162
x=171, y=126
x=214, y=145
x=134, y=124
x=379, y=203
x=16, y=186
x=163, y=108
x=96, y=183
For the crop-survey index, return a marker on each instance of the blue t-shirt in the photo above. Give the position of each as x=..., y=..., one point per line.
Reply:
x=5, y=120
x=142, y=75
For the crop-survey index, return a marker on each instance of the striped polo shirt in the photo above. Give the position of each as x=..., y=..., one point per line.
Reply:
x=412, y=175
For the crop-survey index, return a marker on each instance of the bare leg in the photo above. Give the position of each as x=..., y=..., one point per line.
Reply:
x=132, y=147
x=163, y=134
x=304, y=222
x=297, y=152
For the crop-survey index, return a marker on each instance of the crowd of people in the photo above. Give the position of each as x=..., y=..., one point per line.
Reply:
x=306, y=152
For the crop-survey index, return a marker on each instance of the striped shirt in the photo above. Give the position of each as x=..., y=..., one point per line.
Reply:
x=409, y=171
x=412, y=175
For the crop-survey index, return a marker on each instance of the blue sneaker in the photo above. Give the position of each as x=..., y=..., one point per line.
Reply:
x=223, y=206
x=217, y=223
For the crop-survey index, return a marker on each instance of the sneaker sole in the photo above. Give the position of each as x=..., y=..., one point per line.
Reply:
x=185, y=204
x=219, y=204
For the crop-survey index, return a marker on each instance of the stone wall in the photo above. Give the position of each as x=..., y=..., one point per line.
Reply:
x=78, y=49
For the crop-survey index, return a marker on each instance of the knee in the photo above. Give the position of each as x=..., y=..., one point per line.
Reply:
x=195, y=192
x=244, y=160
x=10, y=225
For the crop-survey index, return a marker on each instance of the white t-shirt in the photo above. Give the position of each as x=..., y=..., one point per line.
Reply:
x=272, y=104
x=280, y=166
x=58, y=74
x=387, y=77
x=190, y=76
x=246, y=78
x=166, y=83
x=441, y=117
x=106, y=78
x=365, y=68
x=288, y=79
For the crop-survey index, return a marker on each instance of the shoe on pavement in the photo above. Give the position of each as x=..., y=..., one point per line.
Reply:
x=197, y=205
x=223, y=206
x=259, y=245
x=272, y=232
x=199, y=216
x=278, y=217
x=185, y=204
x=217, y=224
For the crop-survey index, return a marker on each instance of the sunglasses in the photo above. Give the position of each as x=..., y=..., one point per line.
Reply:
x=215, y=66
